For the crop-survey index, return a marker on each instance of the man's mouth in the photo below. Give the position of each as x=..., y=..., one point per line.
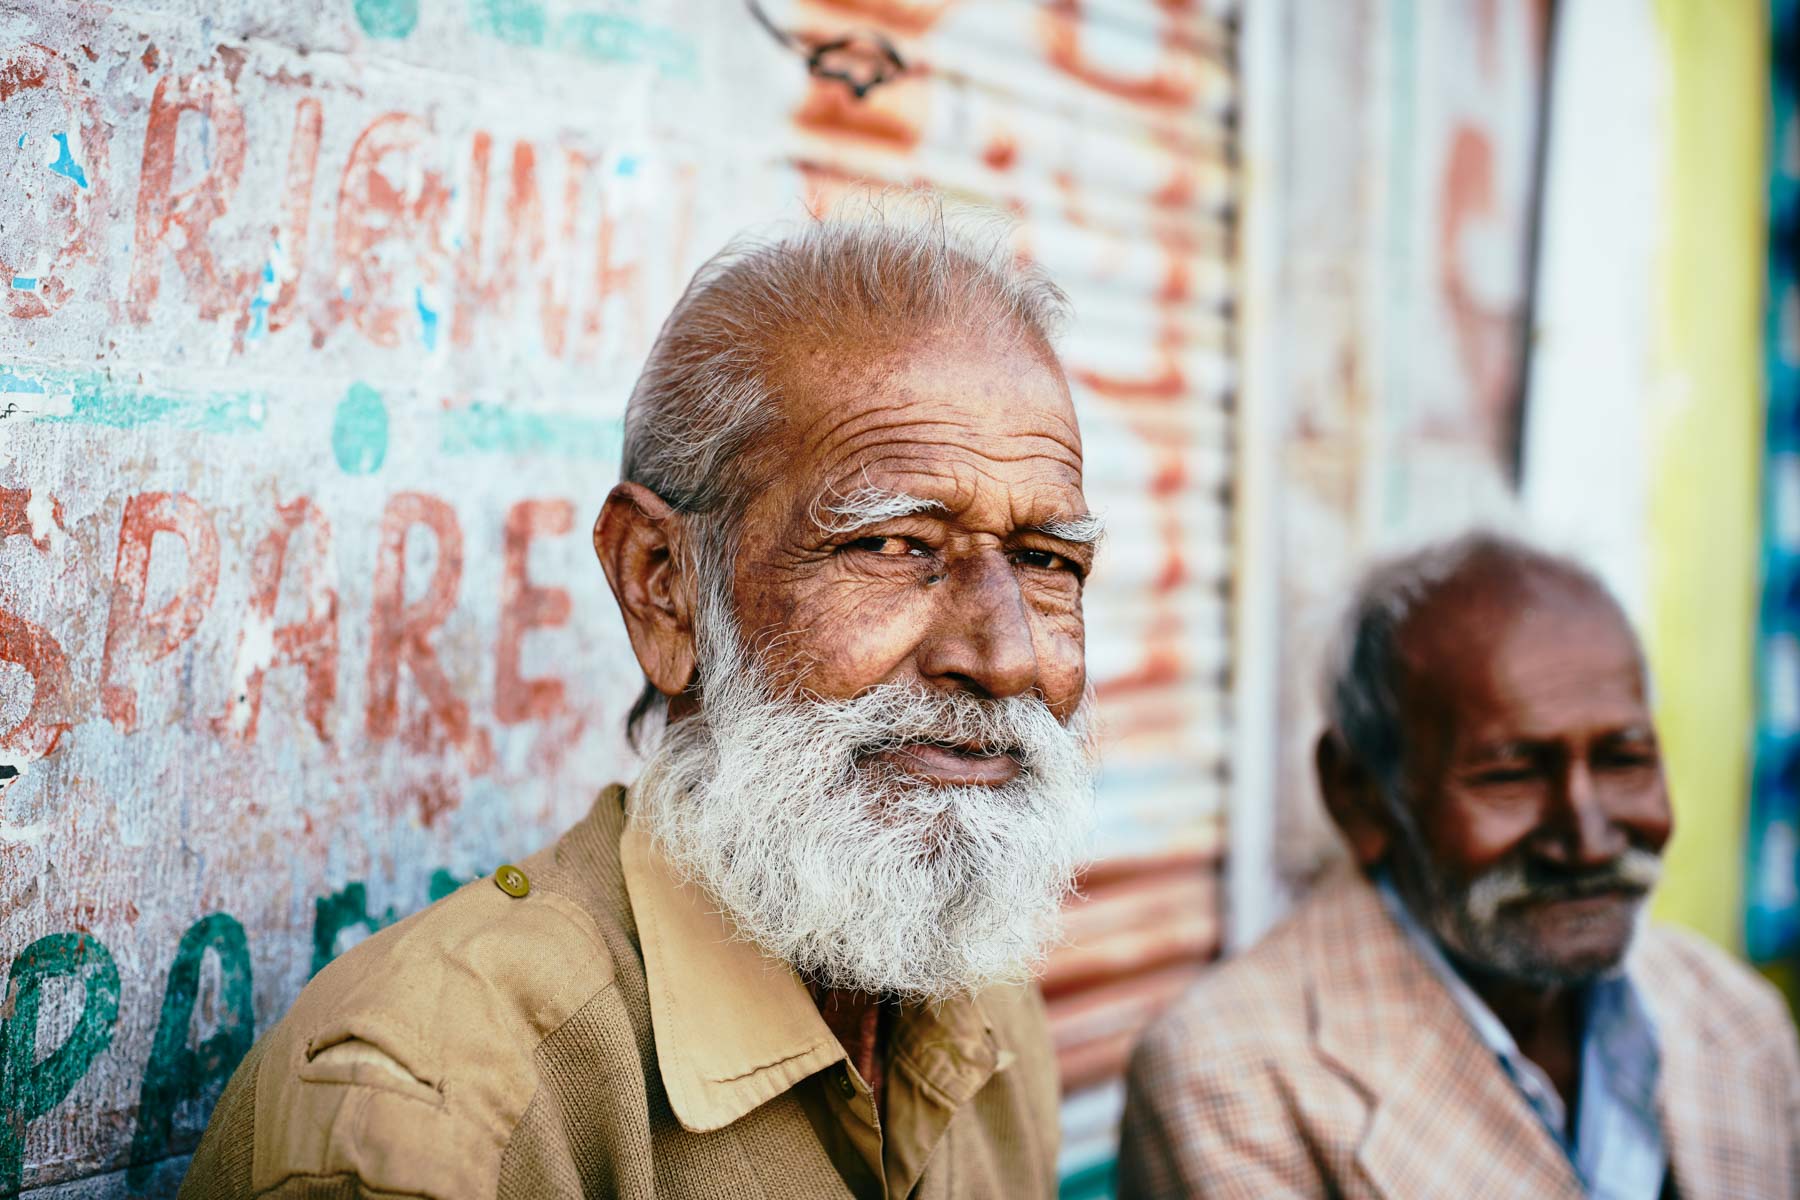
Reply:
x=967, y=765
x=1592, y=897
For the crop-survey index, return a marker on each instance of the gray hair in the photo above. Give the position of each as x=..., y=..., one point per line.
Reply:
x=1364, y=666
x=898, y=266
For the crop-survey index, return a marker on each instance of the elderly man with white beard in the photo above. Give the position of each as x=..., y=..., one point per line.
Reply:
x=1480, y=1011
x=794, y=958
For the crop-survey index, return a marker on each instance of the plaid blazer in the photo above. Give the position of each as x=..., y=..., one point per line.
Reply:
x=1329, y=1061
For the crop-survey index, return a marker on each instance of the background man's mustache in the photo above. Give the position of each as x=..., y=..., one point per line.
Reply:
x=1518, y=882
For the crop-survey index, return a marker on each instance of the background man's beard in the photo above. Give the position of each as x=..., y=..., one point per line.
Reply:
x=1478, y=922
x=858, y=875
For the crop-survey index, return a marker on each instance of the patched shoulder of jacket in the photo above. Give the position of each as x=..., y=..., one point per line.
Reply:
x=407, y=1063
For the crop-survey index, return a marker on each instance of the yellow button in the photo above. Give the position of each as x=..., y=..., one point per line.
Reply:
x=512, y=881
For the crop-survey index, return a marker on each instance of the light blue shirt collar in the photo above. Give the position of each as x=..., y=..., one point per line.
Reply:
x=1618, y=1150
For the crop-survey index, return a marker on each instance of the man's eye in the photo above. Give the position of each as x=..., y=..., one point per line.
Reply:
x=888, y=547
x=1043, y=560
x=1503, y=775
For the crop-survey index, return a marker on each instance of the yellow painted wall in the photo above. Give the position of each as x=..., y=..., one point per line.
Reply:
x=1706, y=437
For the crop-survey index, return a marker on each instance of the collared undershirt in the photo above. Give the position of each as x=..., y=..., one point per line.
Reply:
x=1618, y=1151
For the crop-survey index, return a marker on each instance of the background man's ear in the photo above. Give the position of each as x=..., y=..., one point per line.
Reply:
x=1353, y=798
x=636, y=538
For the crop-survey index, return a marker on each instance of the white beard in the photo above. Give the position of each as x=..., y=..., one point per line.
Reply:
x=858, y=875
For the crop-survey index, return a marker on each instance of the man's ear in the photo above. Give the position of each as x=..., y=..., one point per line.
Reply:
x=1353, y=798
x=636, y=539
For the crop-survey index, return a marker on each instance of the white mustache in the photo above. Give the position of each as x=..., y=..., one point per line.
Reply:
x=1636, y=870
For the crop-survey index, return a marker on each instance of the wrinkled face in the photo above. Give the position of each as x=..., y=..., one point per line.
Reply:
x=927, y=527
x=888, y=781
x=1538, y=809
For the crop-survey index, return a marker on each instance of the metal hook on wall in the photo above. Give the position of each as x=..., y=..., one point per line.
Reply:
x=862, y=59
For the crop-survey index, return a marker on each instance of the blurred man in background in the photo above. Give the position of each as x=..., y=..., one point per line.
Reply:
x=1480, y=1010
x=849, y=550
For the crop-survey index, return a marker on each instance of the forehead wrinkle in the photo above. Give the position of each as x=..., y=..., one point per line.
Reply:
x=901, y=422
x=881, y=385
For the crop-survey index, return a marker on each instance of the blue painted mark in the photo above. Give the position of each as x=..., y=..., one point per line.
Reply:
x=359, y=430
x=612, y=37
x=520, y=22
x=266, y=292
x=96, y=400
x=387, y=18
x=484, y=428
x=428, y=319
x=65, y=163
x=24, y=283
x=584, y=33
x=10, y=382
x=21, y=141
x=627, y=166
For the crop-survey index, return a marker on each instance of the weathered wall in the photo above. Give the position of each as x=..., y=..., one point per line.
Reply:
x=1409, y=129
x=1646, y=420
x=318, y=325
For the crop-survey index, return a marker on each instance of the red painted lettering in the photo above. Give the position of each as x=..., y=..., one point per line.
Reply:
x=522, y=243
x=401, y=633
x=310, y=643
x=133, y=636
x=386, y=196
x=302, y=168
x=612, y=281
x=553, y=305
x=46, y=721
x=194, y=210
x=525, y=606
x=17, y=519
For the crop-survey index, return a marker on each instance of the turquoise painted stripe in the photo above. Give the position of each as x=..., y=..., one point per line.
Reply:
x=497, y=429
x=586, y=33
x=98, y=401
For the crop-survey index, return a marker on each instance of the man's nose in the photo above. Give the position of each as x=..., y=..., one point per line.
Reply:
x=1590, y=835
x=980, y=637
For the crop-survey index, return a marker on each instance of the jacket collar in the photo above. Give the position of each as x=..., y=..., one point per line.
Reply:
x=1385, y=1022
x=1724, y=1136
x=734, y=1028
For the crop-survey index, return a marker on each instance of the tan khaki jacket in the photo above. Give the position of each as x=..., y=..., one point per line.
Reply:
x=1330, y=1061
x=604, y=1035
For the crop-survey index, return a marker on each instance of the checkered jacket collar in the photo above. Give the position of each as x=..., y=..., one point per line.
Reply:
x=1385, y=1021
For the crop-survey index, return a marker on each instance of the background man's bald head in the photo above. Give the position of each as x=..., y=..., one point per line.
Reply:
x=1438, y=608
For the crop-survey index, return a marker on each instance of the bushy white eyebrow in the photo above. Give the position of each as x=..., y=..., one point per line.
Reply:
x=1086, y=529
x=872, y=505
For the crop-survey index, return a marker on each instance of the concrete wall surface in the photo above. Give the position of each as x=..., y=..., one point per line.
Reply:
x=319, y=321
